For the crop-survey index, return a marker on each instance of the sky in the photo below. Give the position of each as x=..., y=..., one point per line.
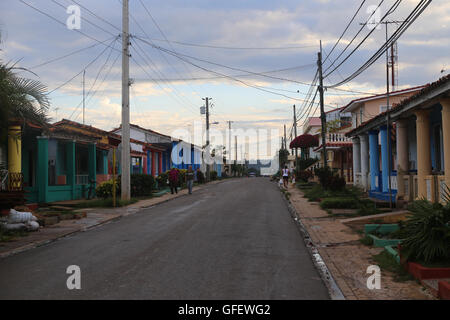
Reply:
x=253, y=35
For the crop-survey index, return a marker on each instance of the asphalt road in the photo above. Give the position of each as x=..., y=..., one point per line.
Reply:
x=232, y=240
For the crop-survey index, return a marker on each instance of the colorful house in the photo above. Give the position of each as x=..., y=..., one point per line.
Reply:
x=418, y=152
x=150, y=150
x=57, y=162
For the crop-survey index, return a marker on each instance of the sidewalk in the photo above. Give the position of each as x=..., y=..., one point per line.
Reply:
x=346, y=258
x=94, y=217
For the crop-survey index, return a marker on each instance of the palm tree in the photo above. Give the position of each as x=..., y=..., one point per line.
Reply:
x=21, y=99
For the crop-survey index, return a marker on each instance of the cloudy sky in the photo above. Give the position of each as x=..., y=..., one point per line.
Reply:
x=251, y=35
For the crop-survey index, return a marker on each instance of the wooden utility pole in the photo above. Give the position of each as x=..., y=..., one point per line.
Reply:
x=295, y=136
x=285, y=147
x=125, y=161
x=84, y=99
x=323, y=116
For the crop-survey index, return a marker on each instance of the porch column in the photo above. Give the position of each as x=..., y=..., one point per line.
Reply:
x=402, y=154
x=70, y=153
x=42, y=169
x=364, y=146
x=14, y=149
x=385, y=158
x=356, y=158
x=446, y=138
x=423, y=151
x=160, y=163
x=92, y=162
x=153, y=163
x=374, y=159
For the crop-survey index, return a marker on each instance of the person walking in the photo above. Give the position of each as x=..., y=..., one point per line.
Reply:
x=173, y=180
x=189, y=176
x=285, y=177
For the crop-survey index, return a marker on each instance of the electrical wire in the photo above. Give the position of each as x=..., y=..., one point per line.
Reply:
x=87, y=66
x=405, y=25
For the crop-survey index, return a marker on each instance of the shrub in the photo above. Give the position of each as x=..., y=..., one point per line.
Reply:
x=304, y=175
x=329, y=180
x=142, y=185
x=200, y=177
x=339, y=203
x=427, y=232
x=162, y=179
x=105, y=189
x=213, y=175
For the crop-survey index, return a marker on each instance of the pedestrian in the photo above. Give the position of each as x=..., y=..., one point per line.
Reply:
x=285, y=177
x=189, y=176
x=173, y=180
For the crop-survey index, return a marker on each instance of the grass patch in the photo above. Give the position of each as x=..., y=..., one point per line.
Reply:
x=339, y=203
x=387, y=262
x=367, y=241
x=105, y=203
x=7, y=236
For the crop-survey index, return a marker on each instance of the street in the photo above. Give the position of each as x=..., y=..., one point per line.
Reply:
x=232, y=240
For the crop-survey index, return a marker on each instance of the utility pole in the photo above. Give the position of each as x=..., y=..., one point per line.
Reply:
x=323, y=117
x=285, y=147
x=388, y=131
x=84, y=74
x=235, y=153
x=125, y=180
x=295, y=134
x=229, y=146
x=207, y=137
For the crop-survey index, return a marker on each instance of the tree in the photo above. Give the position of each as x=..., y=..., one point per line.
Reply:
x=21, y=99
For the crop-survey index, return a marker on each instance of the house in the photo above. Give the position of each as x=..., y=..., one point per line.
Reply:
x=362, y=110
x=338, y=146
x=57, y=162
x=150, y=150
x=185, y=154
x=418, y=152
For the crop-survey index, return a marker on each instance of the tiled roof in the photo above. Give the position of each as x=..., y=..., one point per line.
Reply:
x=425, y=89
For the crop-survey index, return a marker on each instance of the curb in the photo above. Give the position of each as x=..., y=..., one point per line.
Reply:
x=333, y=289
x=44, y=242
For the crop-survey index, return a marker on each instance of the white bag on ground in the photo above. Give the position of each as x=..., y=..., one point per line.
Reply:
x=14, y=226
x=32, y=226
x=19, y=217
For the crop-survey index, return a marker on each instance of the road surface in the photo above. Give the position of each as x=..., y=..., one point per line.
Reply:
x=232, y=240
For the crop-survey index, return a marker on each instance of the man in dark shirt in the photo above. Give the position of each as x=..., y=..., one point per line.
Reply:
x=189, y=179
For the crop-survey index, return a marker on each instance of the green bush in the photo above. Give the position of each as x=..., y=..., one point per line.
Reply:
x=142, y=185
x=162, y=179
x=213, y=175
x=304, y=175
x=200, y=177
x=427, y=232
x=105, y=189
x=339, y=203
x=329, y=180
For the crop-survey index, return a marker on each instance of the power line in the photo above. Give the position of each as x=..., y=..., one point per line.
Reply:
x=361, y=42
x=68, y=54
x=178, y=55
x=231, y=47
x=353, y=39
x=84, y=19
x=405, y=25
x=98, y=17
x=345, y=30
x=62, y=23
x=87, y=66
